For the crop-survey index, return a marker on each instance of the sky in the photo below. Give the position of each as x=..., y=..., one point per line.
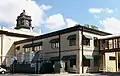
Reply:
x=52, y=15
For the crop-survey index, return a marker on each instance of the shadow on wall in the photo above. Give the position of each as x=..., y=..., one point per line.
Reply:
x=94, y=60
x=40, y=66
x=6, y=60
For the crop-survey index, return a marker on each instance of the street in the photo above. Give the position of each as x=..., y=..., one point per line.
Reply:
x=96, y=74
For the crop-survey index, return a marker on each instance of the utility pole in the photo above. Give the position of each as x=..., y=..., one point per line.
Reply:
x=59, y=54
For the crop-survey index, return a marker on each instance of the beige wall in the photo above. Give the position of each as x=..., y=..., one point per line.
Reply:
x=66, y=49
x=110, y=64
x=65, y=42
x=47, y=46
x=8, y=48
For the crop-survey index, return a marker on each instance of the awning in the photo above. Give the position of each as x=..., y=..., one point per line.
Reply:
x=54, y=40
x=69, y=57
x=37, y=44
x=54, y=58
x=71, y=37
x=27, y=45
x=32, y=45
x=88, y=57
x=87, y=36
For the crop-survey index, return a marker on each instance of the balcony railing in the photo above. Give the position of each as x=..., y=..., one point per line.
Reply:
x=110, y=44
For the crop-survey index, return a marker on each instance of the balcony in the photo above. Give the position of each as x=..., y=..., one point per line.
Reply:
x=109, y=45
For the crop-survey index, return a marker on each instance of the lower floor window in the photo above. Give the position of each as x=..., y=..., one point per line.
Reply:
x=86, y=62
x=72, y=62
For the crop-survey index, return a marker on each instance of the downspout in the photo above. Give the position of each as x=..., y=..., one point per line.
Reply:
x=82, y=51
x=59, y=53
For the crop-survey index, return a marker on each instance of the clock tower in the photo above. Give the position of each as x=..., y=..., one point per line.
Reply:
x=23, y=21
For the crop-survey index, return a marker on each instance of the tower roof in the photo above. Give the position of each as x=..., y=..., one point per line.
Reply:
x=23, y=13
x=23, y=21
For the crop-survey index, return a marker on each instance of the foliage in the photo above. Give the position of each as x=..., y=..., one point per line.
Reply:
x=91, y=26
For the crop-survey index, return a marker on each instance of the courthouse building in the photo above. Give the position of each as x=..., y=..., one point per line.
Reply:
x=77, y=49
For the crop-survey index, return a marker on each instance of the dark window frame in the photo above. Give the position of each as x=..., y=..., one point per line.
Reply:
x=55, y=45
x=95, y=42
x=86, y=62
x=86, y=41
x=72, y=62
x=112, y=58
x=72, y=42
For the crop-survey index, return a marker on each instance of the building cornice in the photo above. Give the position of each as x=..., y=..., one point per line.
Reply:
x=63, y=31
x=15, y=34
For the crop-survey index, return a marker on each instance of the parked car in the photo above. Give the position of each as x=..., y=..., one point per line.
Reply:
x=2, y=70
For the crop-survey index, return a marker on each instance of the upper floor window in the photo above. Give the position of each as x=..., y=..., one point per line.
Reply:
x=18, y=47
x=72, y=40
x=95, y=42
x=86, y=40
x=54, y=43
x=37, y=46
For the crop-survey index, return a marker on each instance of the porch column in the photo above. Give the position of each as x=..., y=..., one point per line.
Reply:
x=79, y=54
x=104, y=65
x=102, y=62
x=79, y=62
x=116, y=54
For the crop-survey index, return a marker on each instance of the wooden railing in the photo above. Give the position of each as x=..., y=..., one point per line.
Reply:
x=109, y=44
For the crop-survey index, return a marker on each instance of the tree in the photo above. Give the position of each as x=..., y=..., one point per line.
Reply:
x=91, y=26
x=94, y=27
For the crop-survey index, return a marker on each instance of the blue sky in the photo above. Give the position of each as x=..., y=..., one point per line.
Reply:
x=102, y=13
x=78, y=9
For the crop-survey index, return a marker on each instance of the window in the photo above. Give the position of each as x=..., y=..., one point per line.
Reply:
x=106, y=44
x=115, y=43
x=72, y=42
x=38, y=48
x=72, y=62
x=86, y=41
x=86, y=62
x=95, y=42
x=55, y=45
x=111, y=58
x=27, y=49
x=18, y=47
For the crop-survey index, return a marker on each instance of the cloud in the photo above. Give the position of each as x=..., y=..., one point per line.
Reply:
x=10, y=9
x=100, y=10
x=45, y=7
x=70, y=22
x=111, y=25
x=55, y=21
x=58, y=21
